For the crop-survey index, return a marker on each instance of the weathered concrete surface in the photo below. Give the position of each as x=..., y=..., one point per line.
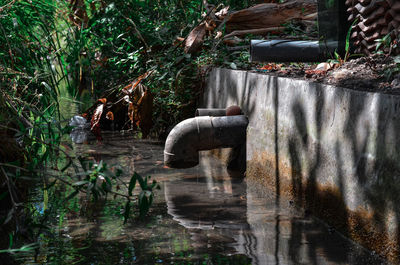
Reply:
x=333, y=151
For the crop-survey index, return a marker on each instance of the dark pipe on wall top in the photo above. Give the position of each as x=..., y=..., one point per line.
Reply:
x=202, y=133
x=285, y=51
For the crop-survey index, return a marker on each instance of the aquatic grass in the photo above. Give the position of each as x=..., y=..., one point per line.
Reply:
x=33, y=71
x=42, y=55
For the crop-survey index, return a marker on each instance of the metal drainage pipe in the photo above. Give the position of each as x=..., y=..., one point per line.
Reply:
x=230, y=111
x=210, y=112
x=202, y=133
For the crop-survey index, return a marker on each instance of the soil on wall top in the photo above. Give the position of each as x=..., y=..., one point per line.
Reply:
x=375, y=73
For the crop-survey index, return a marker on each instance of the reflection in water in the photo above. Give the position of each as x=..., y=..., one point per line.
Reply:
x=253, y=225
x=203, y=215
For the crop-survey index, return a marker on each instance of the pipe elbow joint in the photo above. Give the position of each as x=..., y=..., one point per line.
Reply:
x=202, y=133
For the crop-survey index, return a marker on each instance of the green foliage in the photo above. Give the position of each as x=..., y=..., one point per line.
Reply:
x=145, y=197
x=43, y=53
x=383, y=42
x=337, y=58
x=66, y=190
x=125, y=39
x=386, y=44
x=329, y=3
x=391, y=71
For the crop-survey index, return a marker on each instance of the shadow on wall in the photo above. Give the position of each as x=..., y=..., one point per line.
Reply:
x=330, y=150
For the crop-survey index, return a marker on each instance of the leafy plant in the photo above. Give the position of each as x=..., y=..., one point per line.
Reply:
x=50, y=46
x=391, y=71
x=337, y=58
x=99, y=181
x=386, y=44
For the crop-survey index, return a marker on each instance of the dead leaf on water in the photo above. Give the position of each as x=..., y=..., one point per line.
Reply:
x=110, y=116
x=95, y=121
x=144, y=113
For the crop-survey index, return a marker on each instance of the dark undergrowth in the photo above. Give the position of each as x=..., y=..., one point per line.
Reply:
x=52, y=49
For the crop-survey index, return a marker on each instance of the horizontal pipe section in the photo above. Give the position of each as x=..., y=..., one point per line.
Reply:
x=202, y=133
x=285, y=51
x=230, y=111
x=210, y=112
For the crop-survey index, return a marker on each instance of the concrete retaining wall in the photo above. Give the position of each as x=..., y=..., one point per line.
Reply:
x=333, y=151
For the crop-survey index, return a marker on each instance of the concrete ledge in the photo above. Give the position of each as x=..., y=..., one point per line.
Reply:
x=331, y=150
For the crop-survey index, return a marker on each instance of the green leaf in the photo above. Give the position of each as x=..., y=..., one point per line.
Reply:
x=83, y=163
x=106, y=185
x=3, y=195
x=51, y=185
x=143, y=204
x=337, y=56
x=41, y=226
x=80, y=183
x=142, y=182
x=127, y=211
x=145, y=201
x=72, y=195
x=119, y=172
x=150, y=201
x=94, y=191
x=25, y=248
x=67, y=165
x=9, y=216
x=10, y=244
x=132, y=183
x=153, y=184
x=347, y=47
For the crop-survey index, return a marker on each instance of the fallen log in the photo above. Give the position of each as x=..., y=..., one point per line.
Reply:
x=270, y=15
x=254, y=31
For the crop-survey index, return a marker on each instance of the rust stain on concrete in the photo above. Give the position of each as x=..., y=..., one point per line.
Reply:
x=325, y=202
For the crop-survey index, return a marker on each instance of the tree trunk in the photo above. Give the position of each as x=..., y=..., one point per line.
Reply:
x=270, y=15
x=375, y=20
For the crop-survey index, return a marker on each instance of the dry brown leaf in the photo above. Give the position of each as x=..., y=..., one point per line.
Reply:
x=210, y=25
x=131, y=87
x=132, y=100
x=218, y=35
x=233, y=41
x=222, y=13
x=78, y=15
x=178, y=41
x=96, y=116
x=95, y=122
x=141, y=113
x=110, y=116
x=131, y=111
x=271, y=67
x=103, y=100
x=311, y=73
x=195, y=39
x=145, y=113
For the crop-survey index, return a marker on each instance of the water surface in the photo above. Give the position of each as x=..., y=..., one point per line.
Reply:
x=202, y=215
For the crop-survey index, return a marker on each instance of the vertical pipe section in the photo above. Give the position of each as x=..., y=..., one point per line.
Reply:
x=202, y=133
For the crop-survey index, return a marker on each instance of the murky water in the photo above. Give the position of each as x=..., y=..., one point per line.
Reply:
x=203, y=215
